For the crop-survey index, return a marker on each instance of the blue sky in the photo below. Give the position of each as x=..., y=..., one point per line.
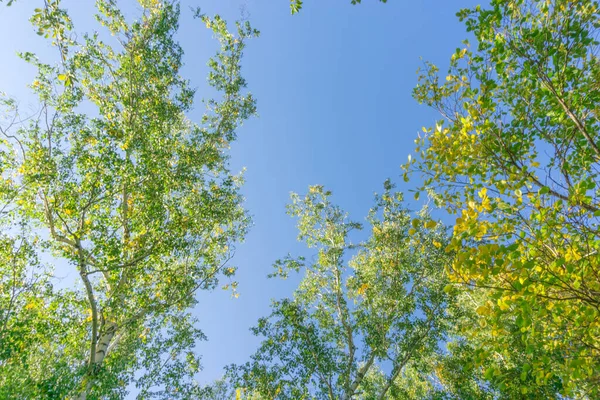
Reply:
x=333, y=85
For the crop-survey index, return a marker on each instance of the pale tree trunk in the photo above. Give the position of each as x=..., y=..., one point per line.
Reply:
x=104, y=341
x=360, y=376
x=103, y=345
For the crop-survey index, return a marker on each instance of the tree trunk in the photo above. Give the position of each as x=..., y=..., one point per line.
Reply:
x=104, y=341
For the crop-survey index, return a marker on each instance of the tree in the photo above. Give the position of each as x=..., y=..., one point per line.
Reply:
x=113, y=181
x=516, y=158
x=368, y=327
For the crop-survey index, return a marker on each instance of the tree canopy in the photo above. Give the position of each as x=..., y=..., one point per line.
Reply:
x=516, y=159
x=111, y=183
x=112, y=179
x=350, y=316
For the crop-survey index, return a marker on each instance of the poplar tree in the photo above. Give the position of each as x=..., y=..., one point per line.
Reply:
x=112, y=182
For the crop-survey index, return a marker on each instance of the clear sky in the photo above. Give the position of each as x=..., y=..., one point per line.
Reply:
x=333, y=85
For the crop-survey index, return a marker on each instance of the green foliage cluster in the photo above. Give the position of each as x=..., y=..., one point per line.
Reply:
x=350, y=315
x=516, y=159
x=112, y=180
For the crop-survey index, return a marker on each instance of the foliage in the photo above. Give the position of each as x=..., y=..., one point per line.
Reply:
x=112, y=182
x=468, y=373
x=296, y=5
x=116, y=185
x=223, y=389
x=366, y=327
x=516, y=157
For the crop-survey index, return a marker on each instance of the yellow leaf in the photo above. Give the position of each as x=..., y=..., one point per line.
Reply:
x=483, y=310
x=363, y=288
x=502, y=304
x=485, y=204
x=430, y=224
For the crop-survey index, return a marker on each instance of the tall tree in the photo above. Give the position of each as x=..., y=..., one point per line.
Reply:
x=114, y=182
x=367, y=327
x=516, y=157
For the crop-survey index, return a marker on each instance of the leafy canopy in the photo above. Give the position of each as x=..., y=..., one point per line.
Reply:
x=368, y=326
x=113, y=182
x=516, y=158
